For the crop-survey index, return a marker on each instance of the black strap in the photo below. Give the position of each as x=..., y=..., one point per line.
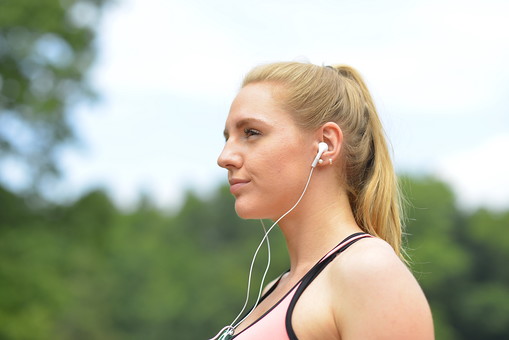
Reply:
x=272, y=288
x=311, y=275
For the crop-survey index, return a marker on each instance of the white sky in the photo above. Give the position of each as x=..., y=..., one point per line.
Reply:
x=169, y=69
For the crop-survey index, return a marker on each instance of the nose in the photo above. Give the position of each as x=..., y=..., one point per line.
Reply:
x=229, y=157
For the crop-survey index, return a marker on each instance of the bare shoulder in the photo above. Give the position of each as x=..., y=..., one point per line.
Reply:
x=369, y=282
x=371, y=257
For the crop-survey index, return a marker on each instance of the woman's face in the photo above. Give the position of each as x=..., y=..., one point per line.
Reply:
x=268, y=157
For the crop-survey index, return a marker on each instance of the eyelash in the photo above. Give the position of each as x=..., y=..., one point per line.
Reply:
x=251, y=132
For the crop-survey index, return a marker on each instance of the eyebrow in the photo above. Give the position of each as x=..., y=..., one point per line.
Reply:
x=243, y=122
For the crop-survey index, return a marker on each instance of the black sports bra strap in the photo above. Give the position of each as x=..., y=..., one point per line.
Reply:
x=311, y=275
x=272, y=288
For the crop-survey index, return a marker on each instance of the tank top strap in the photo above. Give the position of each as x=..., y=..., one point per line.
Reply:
x=314, y=272
x=349, y=240
x=275, y=323
x=272, y=288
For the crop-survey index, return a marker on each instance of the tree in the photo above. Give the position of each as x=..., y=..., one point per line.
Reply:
x=46, y=49
x=88, y=270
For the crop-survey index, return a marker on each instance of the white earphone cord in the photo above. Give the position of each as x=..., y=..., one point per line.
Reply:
x=232, y=327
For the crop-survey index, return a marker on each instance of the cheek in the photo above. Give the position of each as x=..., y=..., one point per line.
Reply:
x=278, y=178
x=272, y=171
x=281, y=179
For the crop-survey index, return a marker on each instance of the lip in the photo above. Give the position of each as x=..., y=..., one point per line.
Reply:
x=236, y=184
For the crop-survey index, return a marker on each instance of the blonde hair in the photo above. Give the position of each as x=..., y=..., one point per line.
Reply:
x=316, y=95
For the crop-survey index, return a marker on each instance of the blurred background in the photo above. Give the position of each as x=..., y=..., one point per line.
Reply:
x=115, y=221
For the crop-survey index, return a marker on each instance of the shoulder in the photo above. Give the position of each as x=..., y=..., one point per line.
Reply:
x=369, y=282
x=368, y=258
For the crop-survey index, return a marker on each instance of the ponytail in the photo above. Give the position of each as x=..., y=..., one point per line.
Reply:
x=372, y=183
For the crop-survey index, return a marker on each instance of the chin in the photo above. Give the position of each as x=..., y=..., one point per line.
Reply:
x=246, y=214
x=249, y=211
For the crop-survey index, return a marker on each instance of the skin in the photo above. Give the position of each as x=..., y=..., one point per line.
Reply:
x=367, y=292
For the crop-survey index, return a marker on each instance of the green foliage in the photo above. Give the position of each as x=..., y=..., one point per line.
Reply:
x=90, y=271
x=46, y=48
x=459, y=260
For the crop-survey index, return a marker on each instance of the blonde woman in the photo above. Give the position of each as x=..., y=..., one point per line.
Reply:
x=340, y=203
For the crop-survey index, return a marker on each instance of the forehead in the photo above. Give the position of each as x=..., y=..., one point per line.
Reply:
x=258, y=101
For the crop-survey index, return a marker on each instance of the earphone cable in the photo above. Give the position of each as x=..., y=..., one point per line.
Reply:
x=265, y=237
x=250, y=276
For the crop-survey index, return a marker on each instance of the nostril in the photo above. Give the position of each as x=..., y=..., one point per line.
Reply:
x=229, y=159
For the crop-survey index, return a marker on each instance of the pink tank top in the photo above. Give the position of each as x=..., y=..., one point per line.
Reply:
x=276, y=322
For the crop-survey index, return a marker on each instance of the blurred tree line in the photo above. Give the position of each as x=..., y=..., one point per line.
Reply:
x=88, y=270
x=46, y=49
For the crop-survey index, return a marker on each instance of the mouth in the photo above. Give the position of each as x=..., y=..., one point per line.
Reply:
x=237, y=184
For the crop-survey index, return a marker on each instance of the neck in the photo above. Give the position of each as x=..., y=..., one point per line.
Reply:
x=322, y=219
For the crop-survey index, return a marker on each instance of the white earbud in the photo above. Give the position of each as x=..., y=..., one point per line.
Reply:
x=322, y=147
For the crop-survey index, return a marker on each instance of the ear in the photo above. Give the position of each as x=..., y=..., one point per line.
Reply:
x=331, y=134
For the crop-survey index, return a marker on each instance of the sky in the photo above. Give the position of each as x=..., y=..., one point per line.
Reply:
x=168, y=70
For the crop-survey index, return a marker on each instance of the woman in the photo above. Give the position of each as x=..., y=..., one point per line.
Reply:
x=346, y=278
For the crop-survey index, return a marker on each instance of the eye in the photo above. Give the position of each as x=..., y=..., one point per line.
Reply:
x=251, y=132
